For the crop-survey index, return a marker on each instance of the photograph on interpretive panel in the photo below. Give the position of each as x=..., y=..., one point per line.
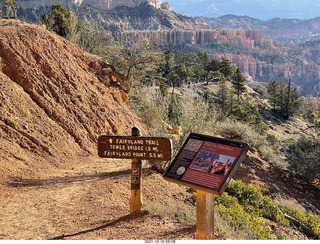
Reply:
x=203, y=161
x=193, y=145
x=221, y=165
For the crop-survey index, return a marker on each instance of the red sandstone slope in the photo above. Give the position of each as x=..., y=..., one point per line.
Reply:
x=54, y=101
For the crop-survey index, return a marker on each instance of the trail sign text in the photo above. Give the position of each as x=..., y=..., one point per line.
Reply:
x=128, y=147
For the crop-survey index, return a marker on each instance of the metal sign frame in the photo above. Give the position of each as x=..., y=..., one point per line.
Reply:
x=206, y=163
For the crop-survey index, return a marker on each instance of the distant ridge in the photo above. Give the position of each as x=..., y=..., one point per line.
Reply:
x=285, y=31
x=99, y=4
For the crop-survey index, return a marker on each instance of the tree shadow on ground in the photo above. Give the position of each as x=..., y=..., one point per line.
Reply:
x=20, y=182
x=179, y=234
x=109, y=224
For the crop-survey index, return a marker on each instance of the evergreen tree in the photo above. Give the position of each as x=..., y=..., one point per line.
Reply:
x=180, y=75
x=281, y=98
x=214, y=65
x=238, y=82
x=223, y=95
x=203, y=61
x=169, y=60
x=185, y=61
x=168, y=67
x=226, y=68
x=295, y=103
x=11, y=8
x=284, y=99
x=174, y=110
x=62, y=21
x=272, y=89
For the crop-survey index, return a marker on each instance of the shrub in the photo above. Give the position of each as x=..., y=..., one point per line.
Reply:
x=260, y=90
x=62, y=21
x=231, y=211
x=164, y=89
x=303, y=157
x=273, y=142
x=251, y=198
x=311, y=221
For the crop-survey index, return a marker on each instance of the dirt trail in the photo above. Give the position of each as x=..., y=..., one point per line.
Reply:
x=90, y=200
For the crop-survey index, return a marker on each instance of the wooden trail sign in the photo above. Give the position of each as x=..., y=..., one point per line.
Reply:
x=207, y=164
x=137, y=148
x=130, y=147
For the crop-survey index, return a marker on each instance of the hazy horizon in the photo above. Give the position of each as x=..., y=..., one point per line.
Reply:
x=260, y=9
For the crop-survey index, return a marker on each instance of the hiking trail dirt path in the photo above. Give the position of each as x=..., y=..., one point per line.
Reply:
x=90, y=200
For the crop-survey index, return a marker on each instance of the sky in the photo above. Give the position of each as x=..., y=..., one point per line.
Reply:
x=260, y=9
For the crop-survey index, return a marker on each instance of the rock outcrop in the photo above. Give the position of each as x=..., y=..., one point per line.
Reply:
x=240, y=39
x=284, y=31
x=54, y=101
x=99, y=4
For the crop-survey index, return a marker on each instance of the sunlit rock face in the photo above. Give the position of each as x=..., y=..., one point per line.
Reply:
x=100, y=4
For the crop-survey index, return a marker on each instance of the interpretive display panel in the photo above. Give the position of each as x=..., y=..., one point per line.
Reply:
x=206, y=162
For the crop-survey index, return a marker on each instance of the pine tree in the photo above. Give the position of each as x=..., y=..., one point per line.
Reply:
x=223, y=94
x=238, y=82
x=169, y=61
x=272, y=89
x=226, y=68
x=281, y=98
x=304, y=158
x=204, y=65
x=185, y=62
x=284, y=99
x=62, y=21
x=295, y=102
x=11, y=7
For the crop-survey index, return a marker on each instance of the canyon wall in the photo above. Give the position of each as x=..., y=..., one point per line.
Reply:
x=240, y=39
x=257, y=57
x=100, y=4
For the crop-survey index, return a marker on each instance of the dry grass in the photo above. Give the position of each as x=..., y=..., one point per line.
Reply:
x=225, y=230
x=184, y=213
x=243, y=131
x=289, y=204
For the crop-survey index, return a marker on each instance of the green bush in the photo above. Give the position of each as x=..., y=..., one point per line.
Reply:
x=174, y=110
x=260, y=90
x=243, y=205
x=164, y=89
x=251, y=198
x=63, y=22
x=231, y=211
x=304, y=158
x=273, y=142
x=311, y=221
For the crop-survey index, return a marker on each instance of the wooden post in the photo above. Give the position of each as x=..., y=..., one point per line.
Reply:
x=136, y=170
x=205, y=215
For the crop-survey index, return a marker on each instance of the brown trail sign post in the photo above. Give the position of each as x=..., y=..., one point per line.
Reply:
x=137, y=148
x=207, y=164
